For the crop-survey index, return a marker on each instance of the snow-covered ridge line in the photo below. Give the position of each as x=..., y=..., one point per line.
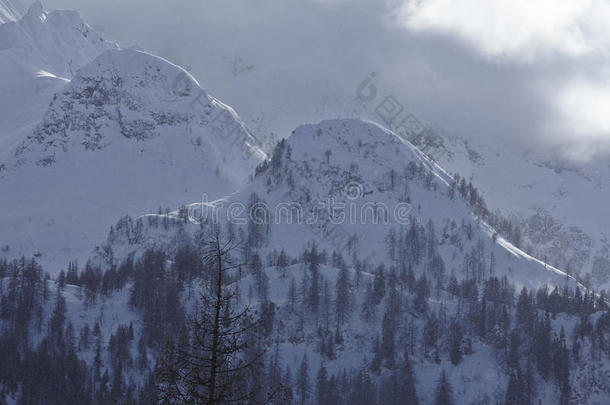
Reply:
x=314, y=164
x=435, y=168
x=443, y=175
x=520, y=253
x=539, y=192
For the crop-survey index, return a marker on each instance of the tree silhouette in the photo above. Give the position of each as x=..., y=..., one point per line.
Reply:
x=212, y=362
x=444, y=392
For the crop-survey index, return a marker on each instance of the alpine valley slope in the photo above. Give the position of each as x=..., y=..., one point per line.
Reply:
x=129, y=133
x=358, y=164
x=559, y=206
x=365, y=166
x=383, y=190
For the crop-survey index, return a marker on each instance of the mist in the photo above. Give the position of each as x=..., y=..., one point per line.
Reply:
x=539, y=82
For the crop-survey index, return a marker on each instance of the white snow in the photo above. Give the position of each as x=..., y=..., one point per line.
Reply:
x=120, y=138
x=39, y=52
x=562, y=206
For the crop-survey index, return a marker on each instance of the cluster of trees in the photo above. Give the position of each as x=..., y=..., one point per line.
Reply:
x=229, y=351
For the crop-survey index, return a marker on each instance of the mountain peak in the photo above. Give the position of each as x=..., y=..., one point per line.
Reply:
x=129, y=94
x=366, y=143
x=347, y=133
x=136, y=124
x=144, y=69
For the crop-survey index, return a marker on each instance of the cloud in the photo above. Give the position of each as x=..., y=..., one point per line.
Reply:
x=528, y=71
x=566, y=42
x=581, y=124
x=521, y=29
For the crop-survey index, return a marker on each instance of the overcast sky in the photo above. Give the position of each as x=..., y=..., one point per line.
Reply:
x=534, y=71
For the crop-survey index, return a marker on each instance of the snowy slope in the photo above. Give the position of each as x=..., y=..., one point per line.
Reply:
x=377, y=184
x=359, y=170
x=560, y=206
x=39, y=53
x=131, y=132
x=10, y=10
x=368, y=165
x=480, y=378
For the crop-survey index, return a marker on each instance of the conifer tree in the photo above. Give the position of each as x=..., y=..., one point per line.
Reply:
x=444, y=392
x=455, y=343
x=210, y=364
x=303, y=388
x=343, y=296
x=408, y=394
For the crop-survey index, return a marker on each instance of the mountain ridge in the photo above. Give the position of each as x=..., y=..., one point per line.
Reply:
x=128, y=122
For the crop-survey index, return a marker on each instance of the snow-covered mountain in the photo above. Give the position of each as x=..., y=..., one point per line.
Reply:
x=129, y=133
x=542, y=194
x=366, y=167
x=358, y=249
x=559, y=205
x=433, y=232
x=351, y=186
x=39, y=53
